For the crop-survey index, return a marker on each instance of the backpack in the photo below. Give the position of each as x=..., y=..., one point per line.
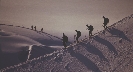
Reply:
x=106, y=20
x=79, y=33
x=91, y=28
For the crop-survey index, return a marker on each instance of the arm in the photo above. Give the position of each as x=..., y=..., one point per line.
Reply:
x=87, y=28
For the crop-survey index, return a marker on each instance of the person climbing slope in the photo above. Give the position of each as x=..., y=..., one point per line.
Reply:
x=90, y=28
x=35, y=28
x=106, y=21
x=42, y=30
x=65, y=40
x=78, y=35
x=32, y=27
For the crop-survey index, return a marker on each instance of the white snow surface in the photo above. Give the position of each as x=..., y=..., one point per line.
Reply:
x=17, y=46
x=110, y=50
x=11, y=42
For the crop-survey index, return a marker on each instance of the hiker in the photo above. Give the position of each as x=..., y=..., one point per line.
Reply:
x=65, y=40
x=78, y=35
x=106, y=21
x=35, y=28
x=32, y=27
x=90, y=28
x=42, y=30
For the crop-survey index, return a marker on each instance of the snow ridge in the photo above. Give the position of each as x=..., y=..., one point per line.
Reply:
x=59, y=53
x=36, y=31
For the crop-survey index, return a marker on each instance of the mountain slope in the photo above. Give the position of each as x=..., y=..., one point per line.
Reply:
x=41, y=37
x=15, y=49
x=108, y=51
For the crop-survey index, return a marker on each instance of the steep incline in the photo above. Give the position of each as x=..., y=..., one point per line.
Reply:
x=108, y=51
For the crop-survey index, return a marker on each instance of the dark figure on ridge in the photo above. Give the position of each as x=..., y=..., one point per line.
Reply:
x=90, y=28
x=42, y=30
x=35, y=28
x=78, y=35
x=32, y=27
x=106, y=21
x=65, y=40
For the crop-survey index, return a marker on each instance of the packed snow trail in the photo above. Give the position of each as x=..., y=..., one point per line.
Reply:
x=52, y=37
x=70, y=60
x=34, y=30
x=30, y=49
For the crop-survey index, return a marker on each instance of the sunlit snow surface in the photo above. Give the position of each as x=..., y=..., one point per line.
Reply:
x=109, y=51
x=15, y=42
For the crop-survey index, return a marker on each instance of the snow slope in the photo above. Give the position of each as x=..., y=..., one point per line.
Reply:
x=108, y=51
x=42, y=37
x=18, y=47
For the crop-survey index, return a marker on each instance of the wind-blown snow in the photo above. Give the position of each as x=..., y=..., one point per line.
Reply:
x=41, y=37
x=17, y=48
x=12, y=42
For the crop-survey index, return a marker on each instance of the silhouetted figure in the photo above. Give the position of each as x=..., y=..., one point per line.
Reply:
x=106, y=21
x=90, y=28
x=42, y=30
x=32, y=27
x=78, y=35
x=35, y=28
x=65, y=40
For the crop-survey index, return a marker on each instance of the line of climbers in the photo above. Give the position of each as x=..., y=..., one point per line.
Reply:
x=89, y=27
x=35, y=28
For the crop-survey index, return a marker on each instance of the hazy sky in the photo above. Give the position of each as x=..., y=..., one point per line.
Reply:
x=58, y=16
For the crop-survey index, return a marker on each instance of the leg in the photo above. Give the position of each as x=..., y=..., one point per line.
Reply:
x=77, y=39
x=64, y=44
x=105, y=25
x=89, y=33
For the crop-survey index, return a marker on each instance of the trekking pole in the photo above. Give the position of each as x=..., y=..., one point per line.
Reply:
x=87, y=28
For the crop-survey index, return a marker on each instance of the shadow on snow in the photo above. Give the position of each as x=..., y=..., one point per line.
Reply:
x=92, y=49
x=106, y=43
x=88, y=63
x=118, y=33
